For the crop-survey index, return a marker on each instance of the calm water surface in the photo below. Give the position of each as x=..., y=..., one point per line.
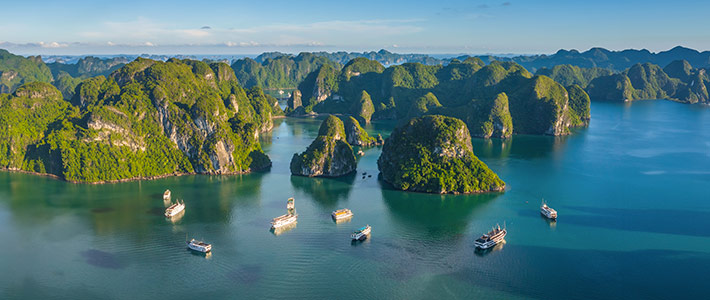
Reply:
x=632, y=191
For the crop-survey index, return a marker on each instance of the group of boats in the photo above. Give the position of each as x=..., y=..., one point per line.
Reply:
x=487, y=241
x=291, y=218
x=280, y=222
x=497, y=234
x=175, y=209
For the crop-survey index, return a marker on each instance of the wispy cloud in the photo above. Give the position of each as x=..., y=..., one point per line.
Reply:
x=143, y=29
x=506, y=4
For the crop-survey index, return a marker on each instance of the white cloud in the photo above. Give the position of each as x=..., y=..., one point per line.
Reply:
x=53, y=45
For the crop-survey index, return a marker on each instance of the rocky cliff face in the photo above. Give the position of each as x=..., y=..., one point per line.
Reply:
x=147, y=119
x=295, y=100
x=329, y=155
x=678, y=81
x=357, y=136
x=433, y=154
x=495, y=120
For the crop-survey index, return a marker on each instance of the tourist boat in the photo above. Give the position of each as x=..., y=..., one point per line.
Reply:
x=547, y=211
x=284, y=220
x=166, y=195
x=174, y=209
x=341, y=214
x=492, y=238
x=199, y=246
x=361, y=233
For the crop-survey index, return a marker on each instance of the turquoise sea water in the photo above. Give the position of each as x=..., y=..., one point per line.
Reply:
x=632, y=191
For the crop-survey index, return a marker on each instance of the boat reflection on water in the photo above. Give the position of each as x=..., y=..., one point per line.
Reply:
x=174, y=219
x=551, y=222
x=484, y=252
x=207, y=255
x=283, y=229
x=355, y=243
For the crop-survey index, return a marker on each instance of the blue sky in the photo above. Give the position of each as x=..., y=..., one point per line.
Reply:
x=440, y=26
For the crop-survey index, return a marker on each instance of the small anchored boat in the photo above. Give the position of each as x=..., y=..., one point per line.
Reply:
x=284, y=220
x=341, y=214
x=547, y=211
x=492, y=238
x=166, y=195
x=174, y=209
x=361, y=233
x=199, y=246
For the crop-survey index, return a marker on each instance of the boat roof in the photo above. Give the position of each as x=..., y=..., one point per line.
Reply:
x=284, y=217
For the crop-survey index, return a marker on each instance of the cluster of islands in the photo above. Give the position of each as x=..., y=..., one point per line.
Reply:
x=109, y=119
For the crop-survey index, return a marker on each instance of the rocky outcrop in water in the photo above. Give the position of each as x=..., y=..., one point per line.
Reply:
x=433, y=154
x=147, y=119
x=329, y=155
x=357, y=136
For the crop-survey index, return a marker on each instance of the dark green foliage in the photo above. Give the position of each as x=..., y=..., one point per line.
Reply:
x=538, y=106
x=568, y=75
x=66, y=84
x=332, y=127
x=360, y=66
x=678, y=81
x=318, y=86
x=16, y=70
x=466, y=90
x=615, y=87
x=422, y=105
x=355, y=134
x=88, y=67
x=433, y=154
x=612, y=60
x=147, y=119
x=579, y=105
x=650, y=82
x=329, y=155
x=25, y=118
x=491, y=118
x=280, y=72
x=363, y=108
x=680, y=69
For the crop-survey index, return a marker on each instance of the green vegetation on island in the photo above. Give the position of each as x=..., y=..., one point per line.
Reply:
x=278, y=72
x=17, y=70
x=355, y=135
x=468, y=90
x=433, y=154
x=146, y=119
x=679, y=81
x=329, y=155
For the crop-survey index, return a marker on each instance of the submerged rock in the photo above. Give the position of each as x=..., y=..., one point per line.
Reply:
x=329, y=155
x=433, y=154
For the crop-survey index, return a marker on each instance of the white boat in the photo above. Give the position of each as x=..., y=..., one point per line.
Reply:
x=547, y=211
x=361, y=233
x=490, y=239
x=174, y=209
x=199, y=246
x=284, y=220
x=341, y=214
x=166, y=195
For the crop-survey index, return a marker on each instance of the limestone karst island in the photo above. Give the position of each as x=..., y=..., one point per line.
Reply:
x=354, y=150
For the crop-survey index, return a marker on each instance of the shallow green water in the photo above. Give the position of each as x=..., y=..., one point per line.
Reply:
x=632, y=191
